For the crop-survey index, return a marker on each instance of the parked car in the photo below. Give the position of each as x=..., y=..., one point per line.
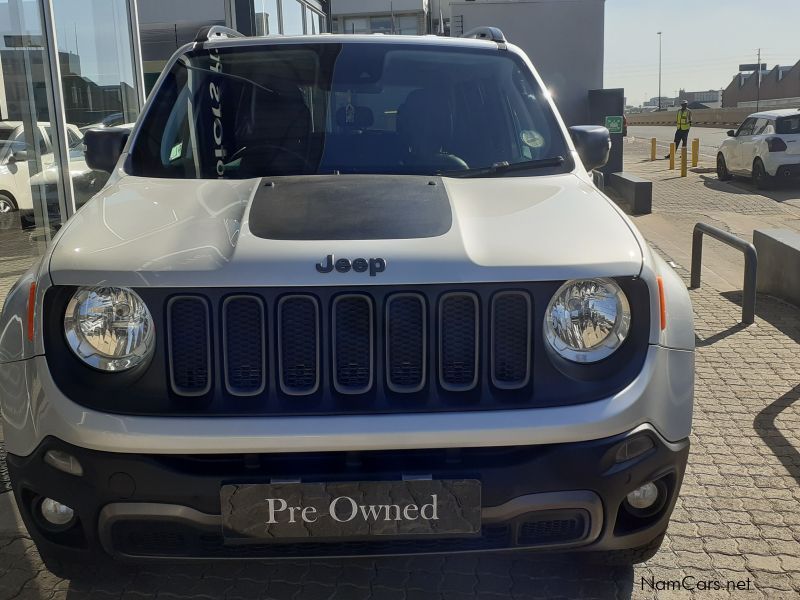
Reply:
x=347, y=295
x=766, y=148
x=15, y=176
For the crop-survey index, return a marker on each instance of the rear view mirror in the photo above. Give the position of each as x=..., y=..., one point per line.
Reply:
x=731, y=133
x=104, y=147
x=593, y=143
x=18, y=156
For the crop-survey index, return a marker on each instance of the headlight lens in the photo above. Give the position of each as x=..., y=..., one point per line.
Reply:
x=587, y=319
x=109, y=329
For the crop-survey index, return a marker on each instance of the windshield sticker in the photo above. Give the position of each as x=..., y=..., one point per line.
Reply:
x=215, y=91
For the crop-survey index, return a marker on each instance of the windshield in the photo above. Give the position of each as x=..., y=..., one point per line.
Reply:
x=348, y=108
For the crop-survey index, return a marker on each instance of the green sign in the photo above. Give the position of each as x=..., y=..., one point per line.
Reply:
x=614, y=124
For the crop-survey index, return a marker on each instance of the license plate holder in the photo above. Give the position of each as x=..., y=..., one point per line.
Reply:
x=260, y=512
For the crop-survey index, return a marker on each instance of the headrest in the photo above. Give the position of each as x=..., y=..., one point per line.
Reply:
x=359, y=117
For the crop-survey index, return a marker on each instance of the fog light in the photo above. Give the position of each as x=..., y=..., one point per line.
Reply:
x=63, y=462
x=643, y=497
x=56, y=513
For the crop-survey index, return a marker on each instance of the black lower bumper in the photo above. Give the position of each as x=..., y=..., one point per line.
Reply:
x=556, y=497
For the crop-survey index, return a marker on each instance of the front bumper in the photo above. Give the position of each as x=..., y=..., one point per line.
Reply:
x=552, y=496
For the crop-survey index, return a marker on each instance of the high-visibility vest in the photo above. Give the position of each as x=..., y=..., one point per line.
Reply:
x=684, y=120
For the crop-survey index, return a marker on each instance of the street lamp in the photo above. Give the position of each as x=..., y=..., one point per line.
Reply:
x=659, y=71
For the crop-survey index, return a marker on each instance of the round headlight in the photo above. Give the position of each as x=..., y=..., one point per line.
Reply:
x=109, y=329
x=587, y=319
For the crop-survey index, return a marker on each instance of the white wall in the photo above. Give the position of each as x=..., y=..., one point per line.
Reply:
x=563, y=38
x=176, y=11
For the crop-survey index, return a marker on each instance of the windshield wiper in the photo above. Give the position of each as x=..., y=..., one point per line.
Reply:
x=502, y=168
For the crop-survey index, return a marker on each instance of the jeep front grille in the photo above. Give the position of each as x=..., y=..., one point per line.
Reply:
x=189, y=339
x=331, y=350
x=353, y=322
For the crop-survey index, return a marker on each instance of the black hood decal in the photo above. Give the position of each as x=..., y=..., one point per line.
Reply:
x=350, y=207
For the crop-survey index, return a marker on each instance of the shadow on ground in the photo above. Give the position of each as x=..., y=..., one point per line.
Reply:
x=741, y=185
x=490, y=576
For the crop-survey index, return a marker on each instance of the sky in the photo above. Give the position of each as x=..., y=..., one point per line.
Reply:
x=704, y=41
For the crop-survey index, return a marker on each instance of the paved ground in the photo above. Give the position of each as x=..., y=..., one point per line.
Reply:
x=738, y=517
x=710, y=138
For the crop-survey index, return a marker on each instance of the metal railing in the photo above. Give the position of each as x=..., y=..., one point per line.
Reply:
x=750, y=264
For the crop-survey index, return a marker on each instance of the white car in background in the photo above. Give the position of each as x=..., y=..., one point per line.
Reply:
x=15, y=176
x=766, y=147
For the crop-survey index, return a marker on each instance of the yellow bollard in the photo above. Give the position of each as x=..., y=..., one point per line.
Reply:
x=672, y=156
x=695, y=151
x=652, y=149
x=683, y=161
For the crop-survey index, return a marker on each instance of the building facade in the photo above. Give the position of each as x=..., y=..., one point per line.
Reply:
x=403, y=17
x=66, y=65
x=780, y=86
x=540, y=28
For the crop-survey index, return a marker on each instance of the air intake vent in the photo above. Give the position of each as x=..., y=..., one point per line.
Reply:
x=352, y=344
x=511, y=340
x=406, y=343
x=298, y=344
x=458, y=341
x=244, y=345
x=188, y=337
x=552, y=527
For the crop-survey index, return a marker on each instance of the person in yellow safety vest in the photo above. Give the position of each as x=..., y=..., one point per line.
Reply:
x=683, y=123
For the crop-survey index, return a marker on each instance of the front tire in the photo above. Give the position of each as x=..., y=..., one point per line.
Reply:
x=722, y=168
x=761, y=178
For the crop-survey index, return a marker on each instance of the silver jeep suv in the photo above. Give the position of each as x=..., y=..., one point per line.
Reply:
x=347, y=295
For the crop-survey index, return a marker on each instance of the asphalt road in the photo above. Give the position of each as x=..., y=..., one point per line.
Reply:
x=710, y=139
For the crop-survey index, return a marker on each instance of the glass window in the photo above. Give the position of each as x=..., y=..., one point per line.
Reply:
x=760, y=125
x=31, y=202
x=360, y=108
x=747, y=127
x=356, y=26
x=788, y=125
x=381, y=24
x=266, y=17
x=292, y=12
x=407, y=25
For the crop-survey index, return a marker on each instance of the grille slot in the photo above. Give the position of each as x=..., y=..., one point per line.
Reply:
x=298, y=344
x=458, y=341
x=511, y=340
x=406, y=343
x=189, y=340
x=560, y=527
x=244, y=345
x=352, y=343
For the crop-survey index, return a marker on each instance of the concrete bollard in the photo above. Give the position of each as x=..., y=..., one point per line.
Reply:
x=695, y=151
x=672, y=156
x=652, y=149
x=683, y=161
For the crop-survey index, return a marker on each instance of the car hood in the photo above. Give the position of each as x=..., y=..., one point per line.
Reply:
x=159, y=232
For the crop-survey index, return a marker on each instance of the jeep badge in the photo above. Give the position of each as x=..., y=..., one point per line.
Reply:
x=359, y=265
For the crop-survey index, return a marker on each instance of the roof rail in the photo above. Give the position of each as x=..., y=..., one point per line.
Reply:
x=486, y=33
x=216, y=31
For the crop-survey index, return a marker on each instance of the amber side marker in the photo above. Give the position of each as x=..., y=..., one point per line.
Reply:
x=662, y=302
x=31, y=310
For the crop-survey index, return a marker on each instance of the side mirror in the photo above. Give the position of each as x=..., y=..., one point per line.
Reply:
x=731, y=133
x=593, y=143
x=18, y=156
x=104, y=147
